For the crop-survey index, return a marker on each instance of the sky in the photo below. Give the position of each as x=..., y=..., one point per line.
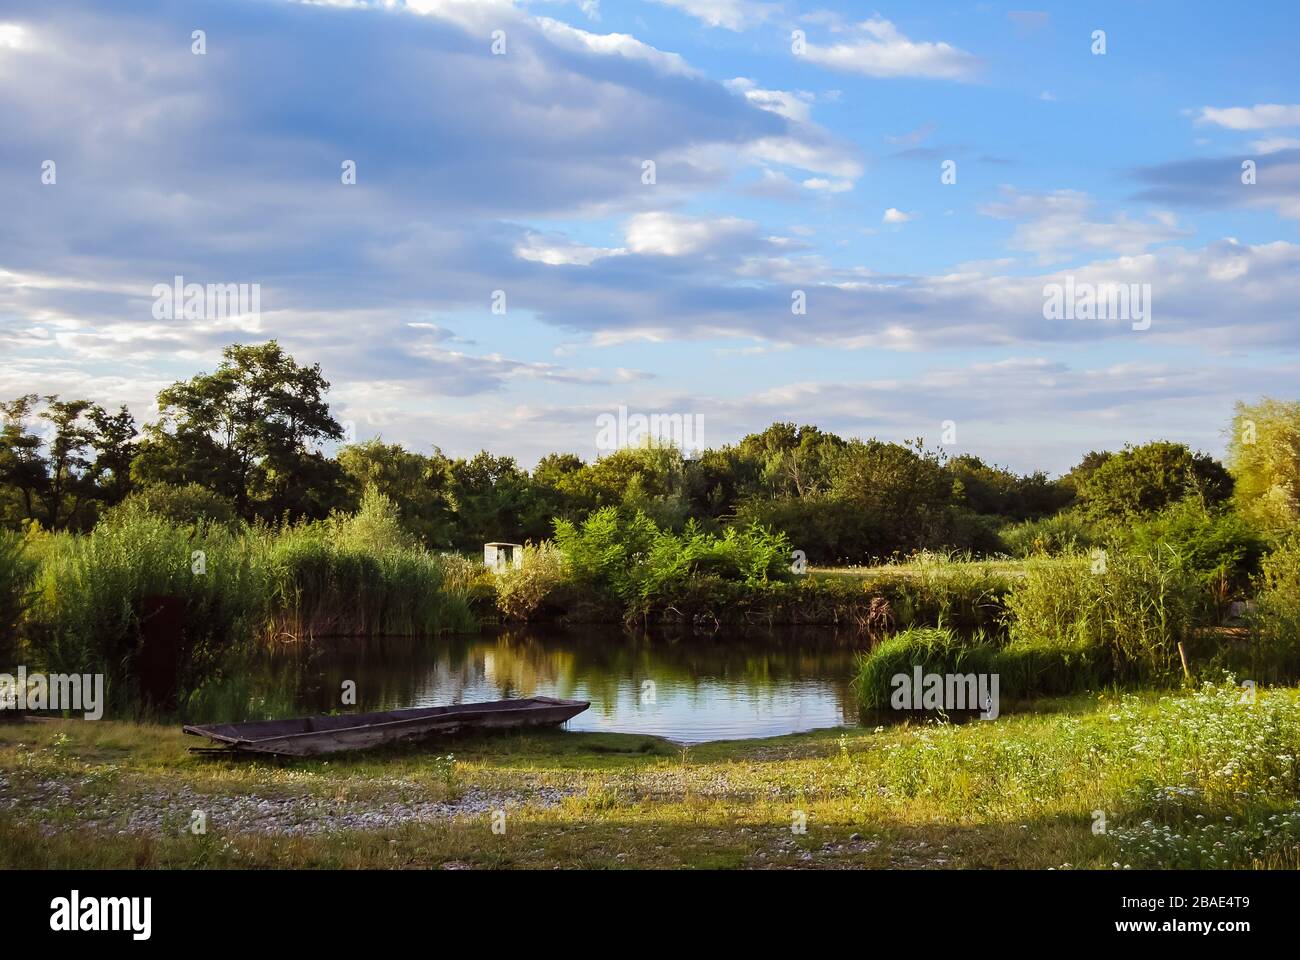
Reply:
x=564, y=208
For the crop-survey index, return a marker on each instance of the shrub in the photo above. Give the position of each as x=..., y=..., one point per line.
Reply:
x=828, y=531
x=537, y=584
x=185, y=505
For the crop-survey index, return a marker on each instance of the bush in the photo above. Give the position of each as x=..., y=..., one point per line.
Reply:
x=829, y=532
x=185, y=505
x=540, y=584
x=624, y=557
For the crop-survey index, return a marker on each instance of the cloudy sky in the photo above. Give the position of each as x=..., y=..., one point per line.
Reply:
x=796, y=146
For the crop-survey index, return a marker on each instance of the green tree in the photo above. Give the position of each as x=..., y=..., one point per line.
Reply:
x=419, y=485
x=250, y=431
x=62, y=479
x=1142, y=480
x=902, y=487
x=491, y=497
x=22, y=463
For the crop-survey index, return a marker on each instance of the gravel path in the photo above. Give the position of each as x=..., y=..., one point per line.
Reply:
x=157, y=812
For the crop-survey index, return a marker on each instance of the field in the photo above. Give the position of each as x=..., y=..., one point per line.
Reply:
x=1204, y=779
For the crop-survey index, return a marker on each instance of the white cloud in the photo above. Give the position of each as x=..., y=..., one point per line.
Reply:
x=894, y=215
x=825, y=157
x=1058, y=223
x=613, y=44
x=792, y=106
x=1275, y=144
x=12, y=36
x=878, y=49
x=828, y=186
x=558, y=251
x=1259, y=117
x=675, y=235
x=730, y=14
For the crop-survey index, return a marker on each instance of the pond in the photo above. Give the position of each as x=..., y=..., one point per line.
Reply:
x=688, y=689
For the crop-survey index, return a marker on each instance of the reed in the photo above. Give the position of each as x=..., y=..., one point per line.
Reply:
x=17, y=568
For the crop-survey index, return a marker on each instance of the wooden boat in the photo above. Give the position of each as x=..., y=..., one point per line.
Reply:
x=309, y=736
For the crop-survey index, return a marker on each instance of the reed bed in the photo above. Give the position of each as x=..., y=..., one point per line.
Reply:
x=352, y=575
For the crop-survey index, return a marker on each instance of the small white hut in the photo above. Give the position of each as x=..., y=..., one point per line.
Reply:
x=500, y=556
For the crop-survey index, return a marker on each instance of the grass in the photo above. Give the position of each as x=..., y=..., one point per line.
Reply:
x=1199, y=780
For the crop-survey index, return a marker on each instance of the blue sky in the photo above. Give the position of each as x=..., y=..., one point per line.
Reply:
x=776, y=170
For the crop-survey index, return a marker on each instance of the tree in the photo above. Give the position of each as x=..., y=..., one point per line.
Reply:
x=1142, y=480
x=419, y=485
x=62, y=480
x=793, y=460
x=1264, y=456
x=22, y=465
x=992, y=490
x=902, y=487
x=115, y=448
x=250, y=432
x=491, y=498
x=68, y=481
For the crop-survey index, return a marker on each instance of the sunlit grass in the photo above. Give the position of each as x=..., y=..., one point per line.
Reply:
x=1022, y=791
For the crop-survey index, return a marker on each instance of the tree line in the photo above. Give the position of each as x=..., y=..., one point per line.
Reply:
x=247, y=443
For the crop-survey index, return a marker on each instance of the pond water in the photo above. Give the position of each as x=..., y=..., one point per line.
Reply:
x=687, y=689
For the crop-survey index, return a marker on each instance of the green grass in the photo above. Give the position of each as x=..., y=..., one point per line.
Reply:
x=1167, y=773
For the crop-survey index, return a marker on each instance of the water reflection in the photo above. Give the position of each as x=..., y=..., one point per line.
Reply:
x=686, y=689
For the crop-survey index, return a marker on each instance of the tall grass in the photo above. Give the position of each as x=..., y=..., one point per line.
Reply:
x=354, y=575
x=361, y=575
x=944, y=590
x=17, y=568
x=92, y=592
x=1128, y=609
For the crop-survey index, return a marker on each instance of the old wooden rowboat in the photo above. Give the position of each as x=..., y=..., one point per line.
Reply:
x=308, y=736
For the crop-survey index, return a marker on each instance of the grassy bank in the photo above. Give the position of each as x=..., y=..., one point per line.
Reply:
x=1187, y=780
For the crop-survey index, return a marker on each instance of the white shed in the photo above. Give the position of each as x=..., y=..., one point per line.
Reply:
x=500, y=556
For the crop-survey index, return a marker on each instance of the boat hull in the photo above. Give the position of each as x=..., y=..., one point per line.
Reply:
x=313, y=736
